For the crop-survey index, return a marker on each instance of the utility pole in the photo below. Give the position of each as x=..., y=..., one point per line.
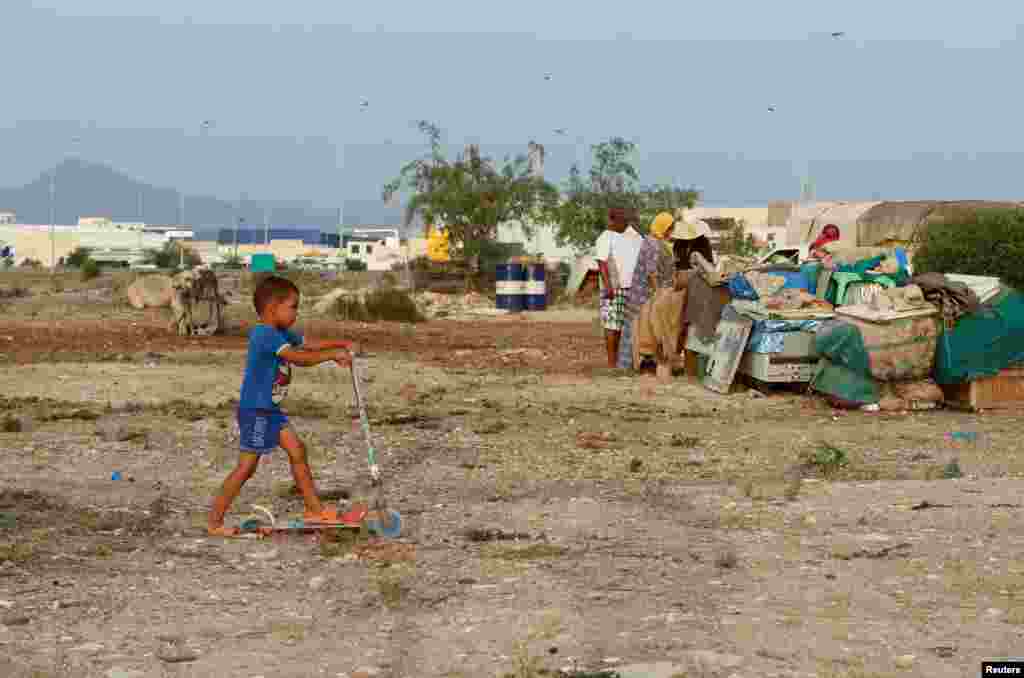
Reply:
x=53, y=220
x=238, y=225
x=266, y=228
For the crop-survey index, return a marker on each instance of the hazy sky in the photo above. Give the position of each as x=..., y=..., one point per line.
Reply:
x=917, y=100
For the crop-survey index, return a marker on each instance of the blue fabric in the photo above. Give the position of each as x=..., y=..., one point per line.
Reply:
x=259, y=431
x=625, y=358
x=767, y=336
x=795, y=280
x=810, y=271
x=740, y=288
x=267, y=377
x=901, y=259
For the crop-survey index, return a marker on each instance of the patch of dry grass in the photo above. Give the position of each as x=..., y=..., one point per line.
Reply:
x=527, y=664
x=393, y=581
x=389, y=305
x=851, y=668
x=18, y=552
x=341, y=542
x=837, y=607
x=286, y=631
x=754, y=519
x=523, y=553
x=727, y=560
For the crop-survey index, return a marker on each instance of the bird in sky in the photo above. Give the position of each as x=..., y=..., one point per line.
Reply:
x=838, y=34
x=547, y=76
x=364, y=104
x=771, y=109
x=561, y=131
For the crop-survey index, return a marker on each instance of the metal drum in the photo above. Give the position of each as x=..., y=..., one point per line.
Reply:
x=517, y=278
x=536, y=288
x=503, y=287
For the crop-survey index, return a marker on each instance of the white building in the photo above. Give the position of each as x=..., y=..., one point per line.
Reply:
x=379, y=254
x=8, y=217
x=541, y=243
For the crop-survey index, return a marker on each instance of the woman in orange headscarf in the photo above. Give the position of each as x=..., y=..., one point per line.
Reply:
x=655, y=268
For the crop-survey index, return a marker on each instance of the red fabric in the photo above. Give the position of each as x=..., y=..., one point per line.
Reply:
x=829, y=234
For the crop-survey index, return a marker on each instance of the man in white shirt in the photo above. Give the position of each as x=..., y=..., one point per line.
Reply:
x=617, y=250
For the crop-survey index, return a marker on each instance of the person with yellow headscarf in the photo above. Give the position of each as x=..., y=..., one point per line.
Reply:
x=655, y=268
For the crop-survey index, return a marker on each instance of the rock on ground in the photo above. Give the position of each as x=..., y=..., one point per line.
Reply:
x=150, y=291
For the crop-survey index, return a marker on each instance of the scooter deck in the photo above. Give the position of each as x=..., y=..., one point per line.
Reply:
x=357, y=519
x=300, y=528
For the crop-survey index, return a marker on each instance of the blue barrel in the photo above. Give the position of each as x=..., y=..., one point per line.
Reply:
x=518, y=275
x=502, y=288
x=536, y=289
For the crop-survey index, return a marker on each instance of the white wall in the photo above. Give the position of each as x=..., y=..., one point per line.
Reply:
x=384, y=255
x=542, y=242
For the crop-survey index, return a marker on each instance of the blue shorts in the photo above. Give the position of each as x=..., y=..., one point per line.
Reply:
x=259, y=431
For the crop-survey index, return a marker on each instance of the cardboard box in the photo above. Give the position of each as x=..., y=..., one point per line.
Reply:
x=1003, y=391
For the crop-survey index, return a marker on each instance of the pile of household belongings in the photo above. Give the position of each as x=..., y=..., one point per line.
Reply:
x=885, y=340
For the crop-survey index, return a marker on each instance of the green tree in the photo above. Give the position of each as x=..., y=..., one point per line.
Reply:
x=233, y=261
x=582, y=213
x=78, y=257
x=352, y=264
x=471, y=194
x=170, y=256
x=90, y=269
x=737, y=241
x=987, y=242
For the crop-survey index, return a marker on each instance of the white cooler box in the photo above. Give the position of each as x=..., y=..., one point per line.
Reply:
x=776, y=368
x=796, y=362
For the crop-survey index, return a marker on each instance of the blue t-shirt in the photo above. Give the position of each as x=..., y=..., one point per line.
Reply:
x=267, y=376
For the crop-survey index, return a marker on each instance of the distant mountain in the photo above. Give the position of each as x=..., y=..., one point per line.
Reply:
x=88, y=189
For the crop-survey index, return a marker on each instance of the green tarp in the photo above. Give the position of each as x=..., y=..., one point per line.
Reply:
x=844, y=384
x=983, y=343
x=843, y=344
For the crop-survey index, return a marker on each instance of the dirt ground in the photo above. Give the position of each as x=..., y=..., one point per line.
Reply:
x=556, y=516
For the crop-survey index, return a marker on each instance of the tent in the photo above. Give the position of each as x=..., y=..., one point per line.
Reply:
x=808, y=221
x=584, y=272
x=875, y=224
x=898, y=222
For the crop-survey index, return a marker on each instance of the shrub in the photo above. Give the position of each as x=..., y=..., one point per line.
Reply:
x=90, y=269
x=170, y=255
x=355, y=265
x=78, y=257
x=233, y=261
x=420, y=263
x=986, y=242
x=391, y=305
x=31, y=263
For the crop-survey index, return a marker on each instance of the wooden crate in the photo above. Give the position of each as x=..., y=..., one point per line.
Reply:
x=1003, y=391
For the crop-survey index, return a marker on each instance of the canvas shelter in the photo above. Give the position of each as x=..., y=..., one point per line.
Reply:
x=899, y=222
x=584, y=272
x=808, y=221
